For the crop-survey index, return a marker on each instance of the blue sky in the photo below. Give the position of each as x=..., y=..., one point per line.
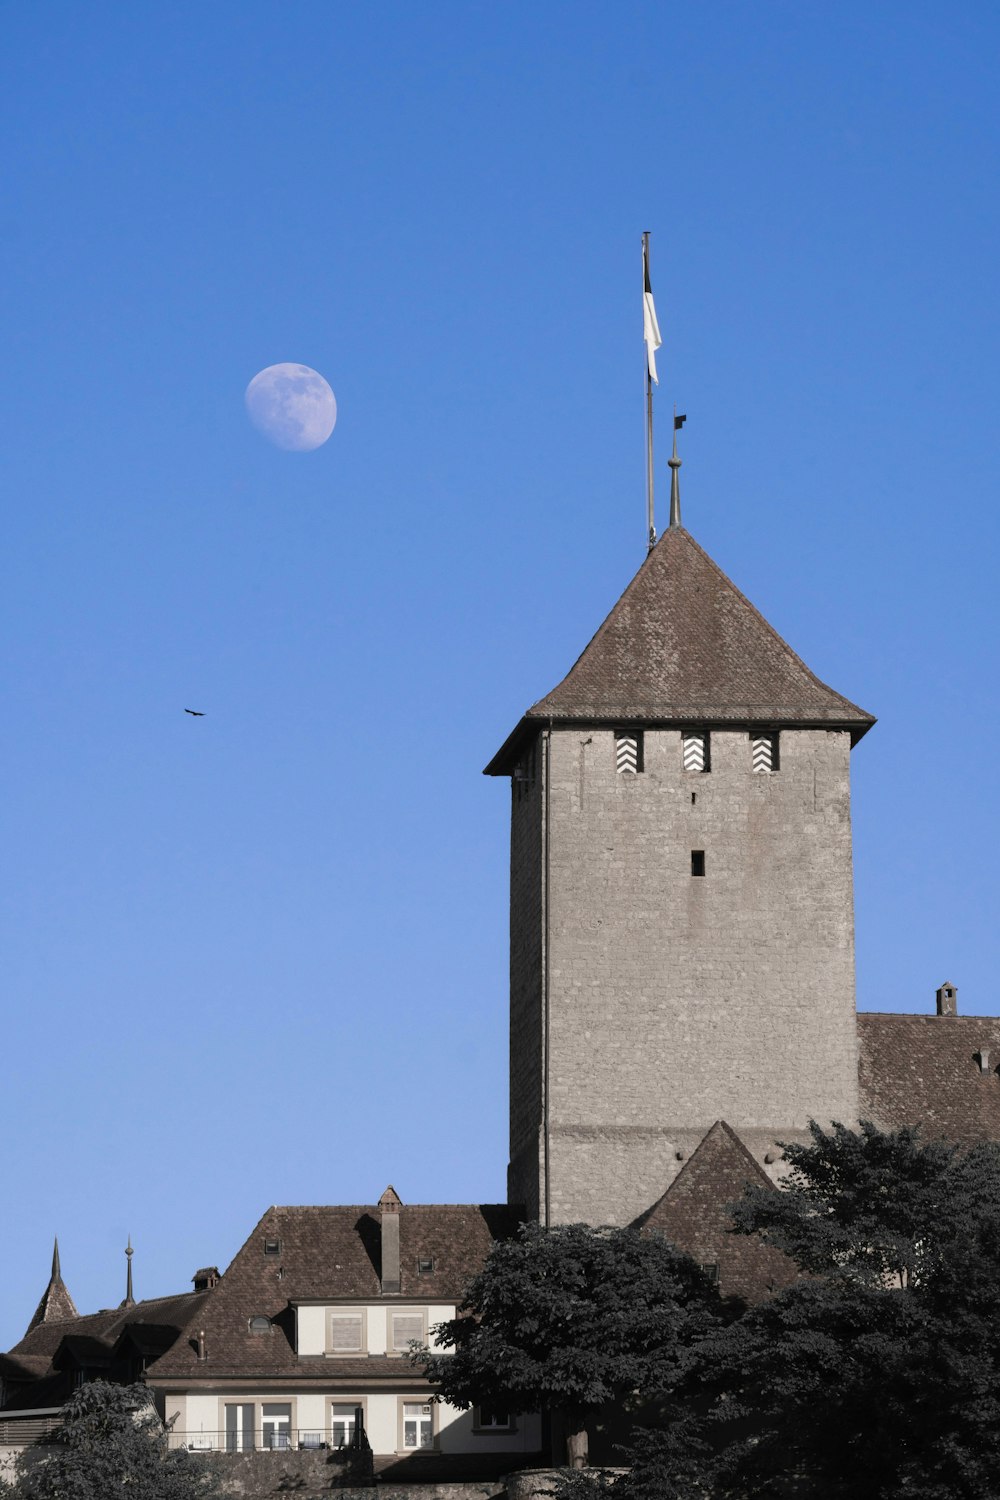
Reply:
x=261, y=956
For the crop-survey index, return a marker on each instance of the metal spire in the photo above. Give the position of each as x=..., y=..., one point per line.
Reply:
x=675, y=484
x=56, y=1272
x=129, y=1299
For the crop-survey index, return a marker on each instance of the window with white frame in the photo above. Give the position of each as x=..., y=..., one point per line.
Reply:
x=404, y=1328
x=276, y=1425
x=343, y=1423
x=418, y=1425
x=346, y=1333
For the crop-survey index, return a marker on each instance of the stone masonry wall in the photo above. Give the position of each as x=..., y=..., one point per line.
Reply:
x=677, y=1000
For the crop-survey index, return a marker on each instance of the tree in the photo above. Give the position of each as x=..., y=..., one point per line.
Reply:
x=111, y=1442
x=569, y=1319
x=878, y=1375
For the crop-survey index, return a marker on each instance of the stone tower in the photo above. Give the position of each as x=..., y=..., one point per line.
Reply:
x=682, y=915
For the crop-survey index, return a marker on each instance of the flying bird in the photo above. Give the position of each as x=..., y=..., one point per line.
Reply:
x=195, y=713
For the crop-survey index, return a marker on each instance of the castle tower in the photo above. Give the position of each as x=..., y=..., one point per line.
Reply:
x=682, y=916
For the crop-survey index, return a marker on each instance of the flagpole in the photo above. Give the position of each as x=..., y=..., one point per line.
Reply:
x=650, y=524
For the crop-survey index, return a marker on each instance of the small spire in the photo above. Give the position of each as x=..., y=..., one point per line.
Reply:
x=675, y=484
x=56, y=1269
x=129, y=1300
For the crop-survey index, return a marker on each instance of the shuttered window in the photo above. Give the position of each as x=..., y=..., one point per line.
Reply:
x=346, y=1333
x=696, y=750
x=764, y=753
x=628, y=751
x=405, y=1327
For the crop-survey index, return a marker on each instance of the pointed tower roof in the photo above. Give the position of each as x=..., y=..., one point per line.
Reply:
x=56, y=1304
x=683, y=645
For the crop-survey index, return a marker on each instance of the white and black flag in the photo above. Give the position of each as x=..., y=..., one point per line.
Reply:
x=650, y=327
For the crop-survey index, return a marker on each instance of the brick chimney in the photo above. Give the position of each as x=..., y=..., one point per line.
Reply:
x=389, y=1205
x=947, y=1000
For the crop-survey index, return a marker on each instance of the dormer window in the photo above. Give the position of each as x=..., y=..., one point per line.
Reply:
x=272, y=1247
x=425, y=1264
x=259, y=1325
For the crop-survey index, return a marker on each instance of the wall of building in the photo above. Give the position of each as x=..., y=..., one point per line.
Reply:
x=200, y=1422
x=677, y=1000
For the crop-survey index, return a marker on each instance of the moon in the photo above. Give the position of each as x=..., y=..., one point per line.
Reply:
x=293, y=406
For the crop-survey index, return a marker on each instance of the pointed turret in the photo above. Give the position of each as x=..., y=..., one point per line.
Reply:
x=56, y=1304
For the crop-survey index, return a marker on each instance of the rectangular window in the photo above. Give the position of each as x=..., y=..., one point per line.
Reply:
x=418, y=1425
x=404, y=1327
x=276, y=1425
x=764, y=753
x=628, y=751
x=347, y=1332
x=697, y=750
x=697, y=861
x=492, y=1419
x=239, y=1427
x=272, y=1247
x=343, y=1423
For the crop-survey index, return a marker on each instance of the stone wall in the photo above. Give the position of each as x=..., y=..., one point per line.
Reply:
x=677, y=1000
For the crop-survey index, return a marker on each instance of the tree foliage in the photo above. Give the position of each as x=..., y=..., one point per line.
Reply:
x=570, y=1318
x=111, y=1443
x=878, y=1376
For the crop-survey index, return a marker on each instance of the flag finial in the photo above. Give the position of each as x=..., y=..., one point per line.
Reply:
x=675, y=483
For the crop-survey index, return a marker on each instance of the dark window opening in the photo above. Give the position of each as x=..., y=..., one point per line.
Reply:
x=425, y=1264
x=260, y=1324
x=272, y=1247
x=697, y=861
x=711, y=1269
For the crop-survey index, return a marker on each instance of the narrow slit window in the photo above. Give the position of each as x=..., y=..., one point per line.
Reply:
x=764, y=753
x=697, y=750
x=628, y=751
x=697, y=861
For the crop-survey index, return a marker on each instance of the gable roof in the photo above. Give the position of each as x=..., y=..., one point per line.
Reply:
x=925, y=1070
x=683, y=645
x=330, y=1254
x=694, y=1215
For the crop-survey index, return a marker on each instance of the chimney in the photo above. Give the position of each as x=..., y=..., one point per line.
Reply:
x=947, y=1000
x=389, y=1205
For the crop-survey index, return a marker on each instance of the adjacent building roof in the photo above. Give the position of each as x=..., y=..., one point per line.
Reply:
x=329, y=1254
x=694, y=1215
x=34, y=1368
x=683, y=645
x=56, y=1303
x=938, y=1072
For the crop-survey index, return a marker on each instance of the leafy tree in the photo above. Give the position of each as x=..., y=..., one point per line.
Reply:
x=111, y=1443
x=878, y=1376
x=569, y=1319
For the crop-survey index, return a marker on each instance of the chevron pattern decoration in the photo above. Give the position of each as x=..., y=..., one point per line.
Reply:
x=696, y=751
x=764, y=753
x=627, y=754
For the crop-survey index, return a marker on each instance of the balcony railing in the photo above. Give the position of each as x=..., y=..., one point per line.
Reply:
x=267, y=1440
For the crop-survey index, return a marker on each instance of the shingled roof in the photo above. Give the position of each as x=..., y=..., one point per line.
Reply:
x=683, y=645
x=694, y=1215
x=928, y=1071
x=333, y=1254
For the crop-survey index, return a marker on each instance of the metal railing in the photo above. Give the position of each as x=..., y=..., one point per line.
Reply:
x=269, y=1440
